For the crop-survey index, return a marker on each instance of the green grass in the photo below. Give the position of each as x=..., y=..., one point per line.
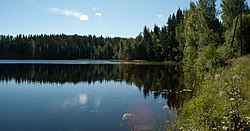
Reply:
x=222, y=102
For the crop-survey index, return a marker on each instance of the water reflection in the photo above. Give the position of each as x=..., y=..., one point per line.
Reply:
x=161, y=80
x=144, y=118
x=83, y=99
x=97, y=104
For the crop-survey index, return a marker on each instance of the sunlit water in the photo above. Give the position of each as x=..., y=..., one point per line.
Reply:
x=89, y=97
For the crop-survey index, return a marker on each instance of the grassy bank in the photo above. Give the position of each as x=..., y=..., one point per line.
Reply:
x=222, y=102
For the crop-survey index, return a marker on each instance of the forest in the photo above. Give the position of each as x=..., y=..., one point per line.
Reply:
x=158, y=44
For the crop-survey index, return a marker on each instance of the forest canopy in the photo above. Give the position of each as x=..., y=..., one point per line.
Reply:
x=158, y=44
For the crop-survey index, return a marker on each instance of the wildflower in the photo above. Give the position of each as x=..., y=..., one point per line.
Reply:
x=186, y=90
x=232, y=111
x=217, y=76
x=126, y=116
x=165, y=107
x=236, y=77
x=224, y=128
x=221, y=93
x=232, y=99
x=165, y=90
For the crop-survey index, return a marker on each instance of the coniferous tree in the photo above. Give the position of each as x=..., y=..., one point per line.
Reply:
x=230, y=10
x=158, y=44
x=200, y=38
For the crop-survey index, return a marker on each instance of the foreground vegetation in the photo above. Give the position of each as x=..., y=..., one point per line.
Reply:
x=222, y=102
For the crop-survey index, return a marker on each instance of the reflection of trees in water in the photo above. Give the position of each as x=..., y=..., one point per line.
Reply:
x=161, y=80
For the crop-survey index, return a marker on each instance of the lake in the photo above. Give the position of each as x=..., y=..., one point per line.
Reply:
x=80, y=95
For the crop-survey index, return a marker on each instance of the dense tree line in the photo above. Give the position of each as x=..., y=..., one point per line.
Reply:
x=56, y=47
x=158, y=44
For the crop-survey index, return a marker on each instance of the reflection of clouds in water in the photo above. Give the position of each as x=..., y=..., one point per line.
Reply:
x=83, y=99
x=135, y=87
x=69, y=102
x=84, y=102
x=97, y=104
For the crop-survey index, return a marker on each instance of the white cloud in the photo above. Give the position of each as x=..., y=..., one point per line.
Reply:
x=95, y=9
x=98, y=14
x=84, y=17
x=81, y=16
x=159, y=16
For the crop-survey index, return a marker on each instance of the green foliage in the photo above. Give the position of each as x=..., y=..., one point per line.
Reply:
x=242, y=39
x=200, y=39
x=222, y=102
x=207, y=60
x=240, y=45
x=230, y=9
x=225, y=53
x=159, y=44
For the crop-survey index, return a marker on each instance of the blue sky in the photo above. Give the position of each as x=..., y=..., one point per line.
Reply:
x=124, y=18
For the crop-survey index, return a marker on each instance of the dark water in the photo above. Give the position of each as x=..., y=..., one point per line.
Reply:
x=86, y=95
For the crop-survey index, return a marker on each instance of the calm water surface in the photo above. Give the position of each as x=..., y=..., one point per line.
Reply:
x=86, y=95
